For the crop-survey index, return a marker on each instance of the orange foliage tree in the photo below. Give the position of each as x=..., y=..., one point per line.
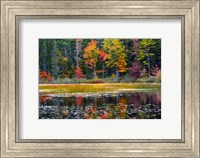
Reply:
x=91, y=54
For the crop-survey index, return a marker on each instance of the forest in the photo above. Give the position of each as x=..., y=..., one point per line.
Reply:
x=70, y=61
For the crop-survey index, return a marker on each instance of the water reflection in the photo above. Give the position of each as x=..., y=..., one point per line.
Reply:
x=126, y=105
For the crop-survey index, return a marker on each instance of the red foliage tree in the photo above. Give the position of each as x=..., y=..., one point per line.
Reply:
x=103, y=56
x=79, y=73
x=136, y=70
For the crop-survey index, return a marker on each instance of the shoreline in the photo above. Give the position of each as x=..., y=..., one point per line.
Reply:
x=97, y=88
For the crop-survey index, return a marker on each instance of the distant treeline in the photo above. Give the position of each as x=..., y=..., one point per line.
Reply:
x=99, y=58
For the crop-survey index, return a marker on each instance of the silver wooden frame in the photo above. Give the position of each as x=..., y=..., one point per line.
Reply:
x=13, y=11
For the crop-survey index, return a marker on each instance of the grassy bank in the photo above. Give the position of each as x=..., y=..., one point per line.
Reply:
x=95, y=88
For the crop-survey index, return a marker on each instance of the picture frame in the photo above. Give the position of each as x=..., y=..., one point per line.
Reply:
x=12, y=11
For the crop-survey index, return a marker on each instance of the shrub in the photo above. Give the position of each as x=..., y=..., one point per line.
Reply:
x=44, y=81
x=67, y=80
x=57, y=81
x=108, y=80
x=157, y=72
x=158, y=80
x=127, y=78
x=98, y=81
x=45, y=76
x=141, y=80
x=81, y=80
x=135, y=70
x=152, y=79
x=116, y=79
x=95, y=81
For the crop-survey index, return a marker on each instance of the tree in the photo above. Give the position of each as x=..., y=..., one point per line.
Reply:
x=121, y=63
x=116, y=55
x=146, y=52
x=136, y=70
x=103, y=56
x=136, y=47
x=91, y=54
x=78, y=48
x=55, y=59
x=79, y=73
x=44, y=54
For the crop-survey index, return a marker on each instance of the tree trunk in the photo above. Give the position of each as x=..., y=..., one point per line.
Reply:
x=55, y=60
x=95, y=101
x=136, y=46
x=103, y=70
x=95, y=73
x=149, y=63
x=44, y=56
x=77, y=53
x=70, y=52
x=116, y=72
x=66, y=56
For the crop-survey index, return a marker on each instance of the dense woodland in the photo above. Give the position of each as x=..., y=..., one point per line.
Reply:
x=99, y=60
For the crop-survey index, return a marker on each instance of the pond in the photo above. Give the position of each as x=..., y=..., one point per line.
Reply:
x=120, y=105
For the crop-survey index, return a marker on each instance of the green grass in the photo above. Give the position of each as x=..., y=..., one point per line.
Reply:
x=95, y=88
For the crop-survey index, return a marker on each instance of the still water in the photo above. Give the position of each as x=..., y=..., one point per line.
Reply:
x=123, y=105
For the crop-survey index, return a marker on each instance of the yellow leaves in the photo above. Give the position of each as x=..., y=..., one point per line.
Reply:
x=116, y=54
x=113, y=57
x=121, y=64
x=106, y=57
x=64, y=59
x=114, y=45
x=113, y=75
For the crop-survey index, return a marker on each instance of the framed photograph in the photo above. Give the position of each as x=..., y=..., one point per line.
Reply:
x=100, y=78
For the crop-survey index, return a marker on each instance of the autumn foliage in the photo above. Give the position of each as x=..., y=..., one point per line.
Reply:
x=45, y=75
x=136, y=70
x=116, y=54
x=79, y=73
x=103, y=56
x=156, y=72
x=108, y=59
x=91, y=53
x=121, y=64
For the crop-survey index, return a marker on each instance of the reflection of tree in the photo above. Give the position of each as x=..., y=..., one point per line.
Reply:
x=79, y=100
x=143, y=98
x=132, y=105
x=44, y=99
x=134, y=99
x=123, y=100
x=156, y=99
